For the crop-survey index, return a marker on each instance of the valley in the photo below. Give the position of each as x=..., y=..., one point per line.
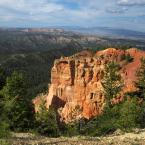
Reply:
x=66, y=87
x=34, y=50
x=72, y=72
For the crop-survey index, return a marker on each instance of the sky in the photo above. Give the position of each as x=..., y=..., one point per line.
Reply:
x=124, y=14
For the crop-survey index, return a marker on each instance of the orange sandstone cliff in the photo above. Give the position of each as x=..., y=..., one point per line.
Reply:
x=76, y=90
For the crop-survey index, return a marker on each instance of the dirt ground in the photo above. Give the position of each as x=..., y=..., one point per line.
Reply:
x=136, y=138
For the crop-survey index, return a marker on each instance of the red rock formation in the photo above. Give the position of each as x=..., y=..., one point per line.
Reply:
x=76, y=89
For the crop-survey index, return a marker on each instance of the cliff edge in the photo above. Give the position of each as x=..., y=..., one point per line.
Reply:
x=76, y=90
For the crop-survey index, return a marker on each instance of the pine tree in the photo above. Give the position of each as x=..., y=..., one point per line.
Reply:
x=129, y=114
x=46, y=121
x=112, y=82
x=2, y=78
x=15, y=85
x=4, y=124
x=140, y=83
x=17, y=108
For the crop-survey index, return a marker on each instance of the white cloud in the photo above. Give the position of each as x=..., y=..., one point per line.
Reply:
x=116, y=10
x=30, y=6
x=132, y=2
x=60, y=12
x=46, y=9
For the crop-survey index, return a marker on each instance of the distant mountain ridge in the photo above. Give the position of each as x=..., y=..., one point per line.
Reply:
x=97, y=31
x=111, y=32
x=13, y=40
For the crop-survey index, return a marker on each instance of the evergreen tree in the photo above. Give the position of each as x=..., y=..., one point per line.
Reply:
x=2, y=78
x=46, y=121
x=127, y=57
x=4, y=125
x=140, y=84
x=17, y=108
x=130, y=112
x=112, y=82
x=15, y=85
x=71, y=129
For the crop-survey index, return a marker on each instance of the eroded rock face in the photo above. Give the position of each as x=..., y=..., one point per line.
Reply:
x=76, y=90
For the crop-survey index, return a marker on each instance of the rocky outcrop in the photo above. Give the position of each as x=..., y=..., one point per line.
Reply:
x=76, y=90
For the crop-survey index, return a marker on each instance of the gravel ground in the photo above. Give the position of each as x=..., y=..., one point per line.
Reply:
x=137, y=138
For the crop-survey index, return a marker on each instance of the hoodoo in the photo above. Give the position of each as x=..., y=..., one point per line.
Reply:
x=76, y=90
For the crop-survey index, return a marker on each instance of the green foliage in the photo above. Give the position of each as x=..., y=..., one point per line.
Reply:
x=34, y=58
x=4, y=142
x=35, y=66
x=2, y=78
x=46, y=121
x=129, y=114
x=5, y=107
x=103, y=124
x=17, y=109
x=71, y=129
x=140, y=83
x=15, y=86
x=22, y=117
x=112, y=82
x=142, y=115
x=127, y=57
x=4, y=129
x=125, y=116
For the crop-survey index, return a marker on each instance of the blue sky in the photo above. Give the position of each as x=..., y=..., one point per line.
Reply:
x=126, y=14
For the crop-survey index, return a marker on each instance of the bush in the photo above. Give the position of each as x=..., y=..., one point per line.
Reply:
x=127, y=57
x=71, y=129
x=129, y=114
x=140, y=83
x=4, y=142
x=103, y=124
x=46, y=121
x=142, y=116
x=4, y=129
x=125, y=116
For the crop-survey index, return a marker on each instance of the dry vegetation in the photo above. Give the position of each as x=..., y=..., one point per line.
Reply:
x=118, y=138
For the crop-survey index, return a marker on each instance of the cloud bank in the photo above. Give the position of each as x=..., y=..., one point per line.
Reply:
x=43, y=13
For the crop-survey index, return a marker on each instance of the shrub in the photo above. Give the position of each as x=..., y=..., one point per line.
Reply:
x=142, y=116
x=103, y=124
x=140, y=83
x=125, y=116
x=4, y=129
x=127, y=57
x=4, y=142
x=46, y=121
x=71, y=129
x=129, y=114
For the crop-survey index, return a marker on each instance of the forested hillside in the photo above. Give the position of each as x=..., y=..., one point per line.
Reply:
x=33, y=52
x=35, y=66
x=26, y=60
x=24, y=41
